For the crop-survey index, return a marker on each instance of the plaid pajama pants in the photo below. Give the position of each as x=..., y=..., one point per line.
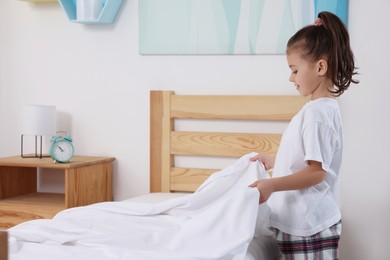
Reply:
x=320, y=246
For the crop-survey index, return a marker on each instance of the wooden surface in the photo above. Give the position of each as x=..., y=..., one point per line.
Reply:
x=3, y=245
x=223, y=144
x=161, y=125
x=277, y=108
x=156, y=117
x=87, y=185
x=48, y=163
x=17, y=180
x=21, y=208
x=87, y=180
x=166, y=143
x=167, y=127
x=188, y=179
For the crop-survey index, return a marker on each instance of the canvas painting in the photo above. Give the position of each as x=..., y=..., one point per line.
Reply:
x=226, y=26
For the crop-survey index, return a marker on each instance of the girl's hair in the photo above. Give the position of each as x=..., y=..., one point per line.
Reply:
x=327, y=39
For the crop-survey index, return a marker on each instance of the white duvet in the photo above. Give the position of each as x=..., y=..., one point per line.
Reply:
x=218, y=221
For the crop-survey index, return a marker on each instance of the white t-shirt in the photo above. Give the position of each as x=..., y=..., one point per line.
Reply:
x=315, y=133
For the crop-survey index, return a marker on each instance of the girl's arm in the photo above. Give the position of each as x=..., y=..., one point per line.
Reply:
x=310, y=176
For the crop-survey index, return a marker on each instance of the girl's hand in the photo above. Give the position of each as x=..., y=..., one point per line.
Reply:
x=302, y=179
x=265, y=188
x=267, y=160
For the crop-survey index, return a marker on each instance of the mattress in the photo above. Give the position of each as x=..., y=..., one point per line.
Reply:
x=261, y=248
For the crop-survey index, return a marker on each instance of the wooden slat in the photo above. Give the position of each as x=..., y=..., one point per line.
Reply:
x=186, y=179
x=223, y=144
x=236, y=107
x=3, y=245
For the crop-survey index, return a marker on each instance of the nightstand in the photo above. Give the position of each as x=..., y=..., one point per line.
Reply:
x=87, y=180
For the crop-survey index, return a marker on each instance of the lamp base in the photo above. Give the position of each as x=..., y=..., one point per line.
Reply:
x=37, y=154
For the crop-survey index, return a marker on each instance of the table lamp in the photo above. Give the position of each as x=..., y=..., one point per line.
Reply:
x=38, y=121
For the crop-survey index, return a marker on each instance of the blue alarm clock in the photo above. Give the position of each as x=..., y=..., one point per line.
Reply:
x=61, y=149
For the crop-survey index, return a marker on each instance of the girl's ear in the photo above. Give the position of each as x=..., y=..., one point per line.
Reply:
x=322, y=67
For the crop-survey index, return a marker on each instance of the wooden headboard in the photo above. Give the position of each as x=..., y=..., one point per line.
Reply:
x=166, y=143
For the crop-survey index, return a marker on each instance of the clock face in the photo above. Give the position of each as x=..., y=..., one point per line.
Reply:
x=62, y=151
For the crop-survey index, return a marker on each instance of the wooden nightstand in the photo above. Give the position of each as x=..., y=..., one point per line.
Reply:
x=87, y=180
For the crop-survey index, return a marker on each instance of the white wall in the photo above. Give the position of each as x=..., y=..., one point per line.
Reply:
x=100, y=85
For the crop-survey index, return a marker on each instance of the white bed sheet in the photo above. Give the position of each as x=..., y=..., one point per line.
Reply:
x=264, y=247
x=218, y=221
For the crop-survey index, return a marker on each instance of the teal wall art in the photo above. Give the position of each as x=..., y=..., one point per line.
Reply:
x=226, y=26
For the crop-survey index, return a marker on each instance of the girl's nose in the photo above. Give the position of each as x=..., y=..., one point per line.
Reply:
x=291, y=78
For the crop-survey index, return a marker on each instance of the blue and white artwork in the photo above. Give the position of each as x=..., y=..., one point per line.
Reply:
x=226, y=26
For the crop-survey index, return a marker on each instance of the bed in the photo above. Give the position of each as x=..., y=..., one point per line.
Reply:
x=168, y=144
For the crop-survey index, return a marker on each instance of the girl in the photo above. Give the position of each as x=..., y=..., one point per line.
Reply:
x=305, y=214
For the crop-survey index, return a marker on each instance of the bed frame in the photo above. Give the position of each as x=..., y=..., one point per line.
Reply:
x=165, y=143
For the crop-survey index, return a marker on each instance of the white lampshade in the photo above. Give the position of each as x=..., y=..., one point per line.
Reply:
x=39, y=120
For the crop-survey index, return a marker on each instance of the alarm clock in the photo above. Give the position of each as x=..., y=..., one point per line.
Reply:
x=61, y=149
